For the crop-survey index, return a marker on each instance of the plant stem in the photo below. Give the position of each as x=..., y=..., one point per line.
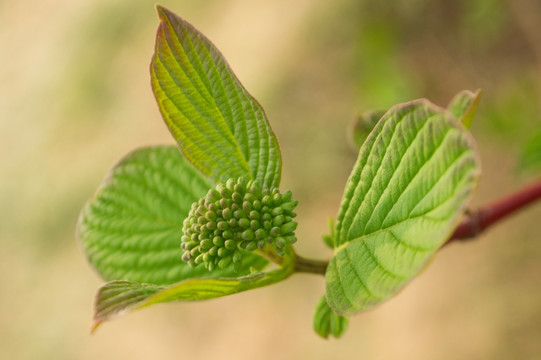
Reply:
x=474, y=224
x=479, y=220
x=304, y=265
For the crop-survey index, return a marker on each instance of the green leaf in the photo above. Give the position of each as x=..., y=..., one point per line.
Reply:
x=363, y=125
x=463, y=106
x=329, y=238
x=119, y=297
x=327, y=322
x=220, y=128
x=131, y=229
x=411, y=183
x=531, y=154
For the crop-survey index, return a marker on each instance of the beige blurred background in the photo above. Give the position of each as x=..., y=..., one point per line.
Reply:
x=75, y=97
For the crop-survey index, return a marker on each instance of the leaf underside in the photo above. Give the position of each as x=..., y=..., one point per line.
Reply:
x=463, y=106
x=327, y=322
x=131, y=229
x=413, y=178
x=119, y=297
x=220, y=128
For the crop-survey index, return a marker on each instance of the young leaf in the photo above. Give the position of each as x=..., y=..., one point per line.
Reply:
x=219, y=127
x=531, y=154
x=328, y=239
x=363, y=125
x=411, y=183
x=131, y=228
x=327, y=322
x=463, y=106
x=119, y=297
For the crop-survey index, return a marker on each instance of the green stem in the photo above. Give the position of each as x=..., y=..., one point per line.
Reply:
x=310, y=266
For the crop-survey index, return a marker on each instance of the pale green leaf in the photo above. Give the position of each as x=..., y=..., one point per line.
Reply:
x=328, y=239
x=120, y=297
x=131, y=228
x=531, y=154
x=463, y=106
x=363, y=125
x=219, y=126
x=327, y=322
x=411, y=183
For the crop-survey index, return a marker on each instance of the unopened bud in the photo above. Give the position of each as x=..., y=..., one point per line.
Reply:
x=235, y=217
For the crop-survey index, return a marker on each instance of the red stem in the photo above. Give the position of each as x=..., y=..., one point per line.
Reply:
x=476, y=222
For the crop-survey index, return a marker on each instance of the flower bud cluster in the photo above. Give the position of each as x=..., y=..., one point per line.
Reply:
x=235, y=217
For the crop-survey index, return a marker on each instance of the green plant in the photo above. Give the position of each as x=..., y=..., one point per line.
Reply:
x=210, y=220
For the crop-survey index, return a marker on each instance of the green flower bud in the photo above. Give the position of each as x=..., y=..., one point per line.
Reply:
x=224, y=203
x=278, y=220
x=222, y=225
x=206, y=244
x=257, y=205
x=230, y=244
x=227, y=214
x=290, y=239
x=237, y=197
x=199, y=259
x=254, y=225
x=224, y=191
x=222, y=252
x=239, y=214
x=244, y=223
x=260, y=233
x=248, y=235
x=222, y=264
x=214, y=250
x=288, y=228
x=254, y=215
x=280, y=242
x=213, y=195
x=240, y=188
x=251, y=246
x=235, y=217
x=289, y=206
x=275, y=231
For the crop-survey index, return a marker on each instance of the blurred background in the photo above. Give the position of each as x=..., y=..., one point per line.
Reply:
x=75, y=97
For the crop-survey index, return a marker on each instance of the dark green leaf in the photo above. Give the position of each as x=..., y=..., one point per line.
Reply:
x=219, y=127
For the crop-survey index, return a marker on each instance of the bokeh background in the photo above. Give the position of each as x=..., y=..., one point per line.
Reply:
x=75, y=97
